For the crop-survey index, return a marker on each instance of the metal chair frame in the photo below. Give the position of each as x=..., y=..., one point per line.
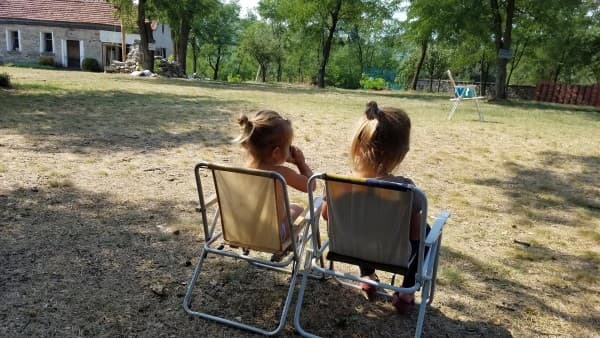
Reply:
x=427, y=263
x=212, y=234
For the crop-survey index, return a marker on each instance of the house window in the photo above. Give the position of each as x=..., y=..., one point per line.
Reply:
x=162, y=52
x=13, y=40
x=47, y=43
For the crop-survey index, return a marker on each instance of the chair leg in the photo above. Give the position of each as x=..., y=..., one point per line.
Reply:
x=422, y=308
x=188, y=295
x=435, y=268
x=188, y=298
x=300, y=299
x=453, y=110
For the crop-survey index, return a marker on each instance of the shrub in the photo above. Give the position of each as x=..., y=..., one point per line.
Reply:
x=5, y=80
x=234, y=79
x=46, y=60
x=171, y=58
x=90, y=65
x=370, y=83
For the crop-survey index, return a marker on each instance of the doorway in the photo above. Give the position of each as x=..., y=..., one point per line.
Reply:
x=73, y=60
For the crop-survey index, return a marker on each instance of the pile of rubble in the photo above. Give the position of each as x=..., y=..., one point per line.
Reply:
x=169, y=68
x=129, y=66
x=165, y=67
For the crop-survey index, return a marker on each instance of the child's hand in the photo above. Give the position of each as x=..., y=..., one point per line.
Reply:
x=296, y=156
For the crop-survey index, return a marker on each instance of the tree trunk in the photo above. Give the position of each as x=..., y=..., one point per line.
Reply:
x=217, y=64
x=145, y=34
x=415, y=80
x=279, y=70
x=502, y=40
x=327, y=44
x=182, y=43
x=195, y=55
x=263, y=73
x=484, y=74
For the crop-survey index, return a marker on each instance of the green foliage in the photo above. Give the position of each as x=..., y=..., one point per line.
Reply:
x=171, y=58
x=90, y=65
x=46, y=60
x=370, y=83
x=234, y=79
x=258, y=40
x=344, y=71
x=5, y=80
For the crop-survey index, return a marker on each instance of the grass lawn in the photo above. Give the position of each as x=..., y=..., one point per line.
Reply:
x=98, y=234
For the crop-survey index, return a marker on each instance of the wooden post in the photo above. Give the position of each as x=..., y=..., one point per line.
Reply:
x=123, y=43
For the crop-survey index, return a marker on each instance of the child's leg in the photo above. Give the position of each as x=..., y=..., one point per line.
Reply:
x=403, y=301
x=295, y=211
x=409, y=278
x=368, y=273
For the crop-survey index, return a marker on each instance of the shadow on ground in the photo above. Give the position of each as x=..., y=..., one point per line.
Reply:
x=113, y=120
x=79, y=263
x=330, y=309
x=536, y=191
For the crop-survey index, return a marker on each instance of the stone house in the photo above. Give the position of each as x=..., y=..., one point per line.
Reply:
x=69, y=31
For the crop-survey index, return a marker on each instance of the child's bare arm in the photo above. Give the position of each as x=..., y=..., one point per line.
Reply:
x=297, y=158
x=293, y=179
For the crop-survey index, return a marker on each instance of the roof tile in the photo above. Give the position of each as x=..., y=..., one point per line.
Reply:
x=73, y=11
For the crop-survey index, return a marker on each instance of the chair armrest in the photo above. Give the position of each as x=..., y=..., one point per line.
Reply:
x=212, y=199
x=436, y=229
x=318, y=204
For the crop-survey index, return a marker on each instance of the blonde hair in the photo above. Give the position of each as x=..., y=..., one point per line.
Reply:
x=381, y=140
x=262, y=132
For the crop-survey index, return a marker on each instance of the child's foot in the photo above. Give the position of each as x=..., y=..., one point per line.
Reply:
x=404, y=303
x=370, y=290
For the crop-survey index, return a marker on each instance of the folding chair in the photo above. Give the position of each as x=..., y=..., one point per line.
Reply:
x=252, y=207
x=369, y=225
x=463, y=92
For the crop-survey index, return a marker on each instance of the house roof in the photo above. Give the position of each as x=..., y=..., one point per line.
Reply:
x=96, y=12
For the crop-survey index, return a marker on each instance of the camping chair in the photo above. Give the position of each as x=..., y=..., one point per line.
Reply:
x=250, y=206
x=463, y=92
x=369, y=225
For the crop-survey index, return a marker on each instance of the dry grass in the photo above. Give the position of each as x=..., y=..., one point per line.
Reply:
x=98, y=233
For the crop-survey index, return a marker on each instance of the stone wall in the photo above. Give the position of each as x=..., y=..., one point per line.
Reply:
x=30, y=43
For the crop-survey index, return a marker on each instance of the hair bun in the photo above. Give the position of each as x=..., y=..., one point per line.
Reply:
x=372, y=110
x=243, y=120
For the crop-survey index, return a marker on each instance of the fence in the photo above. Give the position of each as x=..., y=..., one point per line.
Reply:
x=568, y=94
x=513, y=91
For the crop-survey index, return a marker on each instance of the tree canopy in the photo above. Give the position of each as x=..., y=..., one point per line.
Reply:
x=338, y=42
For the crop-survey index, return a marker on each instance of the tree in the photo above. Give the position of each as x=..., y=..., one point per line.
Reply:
x=439, y=20
x=436, y=65
x=217, y=32
x=145, y=37
x=125, y=11
x=180, y=15
x=258, y=41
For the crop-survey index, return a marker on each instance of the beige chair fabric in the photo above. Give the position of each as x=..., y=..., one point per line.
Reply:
x=369, y=223
x=249, y=220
